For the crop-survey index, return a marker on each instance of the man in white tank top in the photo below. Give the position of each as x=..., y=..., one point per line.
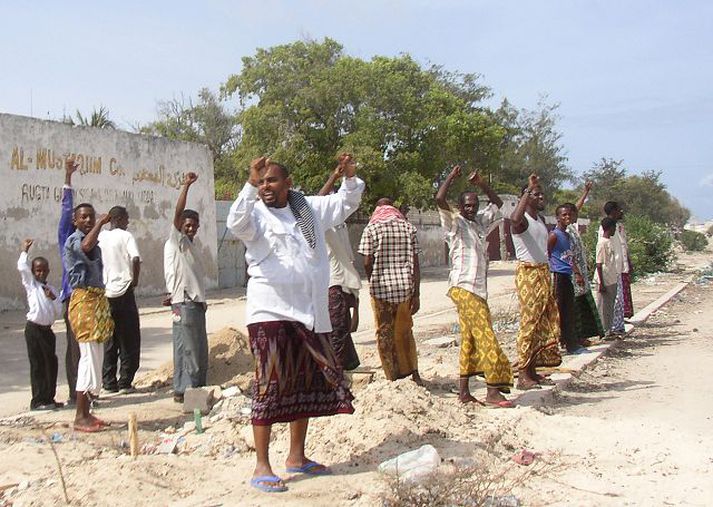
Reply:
x=538, y=337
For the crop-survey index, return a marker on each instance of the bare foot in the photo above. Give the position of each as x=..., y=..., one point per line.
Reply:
x=494, y=396
x=469, y=398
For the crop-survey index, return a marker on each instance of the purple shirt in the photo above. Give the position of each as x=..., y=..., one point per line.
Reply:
x=65, y=230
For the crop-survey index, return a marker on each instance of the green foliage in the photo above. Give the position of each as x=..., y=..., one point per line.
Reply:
x=693, y=241
x=306, y=102
x=650, y=245
x=531, y=145
x=207, y=122
x=99, y=119
x=640, y=194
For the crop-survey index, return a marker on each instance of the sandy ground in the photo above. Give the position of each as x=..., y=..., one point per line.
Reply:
x=628, y=431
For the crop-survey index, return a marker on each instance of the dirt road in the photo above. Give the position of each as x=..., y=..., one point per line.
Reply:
x=634, y=430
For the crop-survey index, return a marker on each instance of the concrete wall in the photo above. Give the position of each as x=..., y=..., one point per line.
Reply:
x=141, y=173
x=231, y=252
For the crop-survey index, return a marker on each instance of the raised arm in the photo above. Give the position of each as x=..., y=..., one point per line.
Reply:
x=478, y=181
x=585, y=194
x=189, y=180
x=23, y=264
x=334, y=209
x=442, y=193
x=65, y=227
x=92, y=237
x=344, y=159
x=240, y=219
x=518, y=224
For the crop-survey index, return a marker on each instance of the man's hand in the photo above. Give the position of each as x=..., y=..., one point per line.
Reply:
x=166, y=301
x=415, y=304
x=588, y=186
x=347, y=164
x=256, y=166
x=104, y=219
x=48, y=292
x=475, y=179
x=26, y=244
x=455, y=173
x=70, y=166
x=579, y=279
x=190, y=179
x=533, y=181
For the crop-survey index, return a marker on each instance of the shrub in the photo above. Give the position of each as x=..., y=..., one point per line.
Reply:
x=693, y=241
x=650, y=245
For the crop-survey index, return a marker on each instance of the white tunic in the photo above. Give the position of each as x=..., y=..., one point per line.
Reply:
x=288, y=279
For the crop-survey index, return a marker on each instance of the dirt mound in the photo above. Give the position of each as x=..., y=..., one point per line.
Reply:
x=229, y=362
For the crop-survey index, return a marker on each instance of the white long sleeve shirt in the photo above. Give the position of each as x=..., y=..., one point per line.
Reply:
x=182, y=268
x=288, y=279
x=42, y=310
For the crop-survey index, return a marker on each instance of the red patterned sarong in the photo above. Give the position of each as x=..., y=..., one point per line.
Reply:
x=297, y=374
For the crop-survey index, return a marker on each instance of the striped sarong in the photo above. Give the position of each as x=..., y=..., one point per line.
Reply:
x=90, y=315
x=539, y=333
x=480, y=351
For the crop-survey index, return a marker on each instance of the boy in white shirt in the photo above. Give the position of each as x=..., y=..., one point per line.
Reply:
x=44, y=308
x=122, y=265
x=606, y=274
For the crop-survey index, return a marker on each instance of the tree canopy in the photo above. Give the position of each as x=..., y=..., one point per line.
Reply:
x=307, y=101
x=639, y=194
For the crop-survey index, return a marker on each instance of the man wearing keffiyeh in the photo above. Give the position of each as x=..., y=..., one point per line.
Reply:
x=297, y=374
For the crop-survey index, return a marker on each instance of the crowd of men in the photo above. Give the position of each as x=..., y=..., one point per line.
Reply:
x=303, y=297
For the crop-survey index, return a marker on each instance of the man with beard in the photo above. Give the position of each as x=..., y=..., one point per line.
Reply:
x=297, y=374
x=480, y=352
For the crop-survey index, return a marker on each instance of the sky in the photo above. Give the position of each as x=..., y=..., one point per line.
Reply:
x=633, y=79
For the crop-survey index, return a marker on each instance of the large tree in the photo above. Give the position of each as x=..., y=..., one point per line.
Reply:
x=305, y=102
x=208, y=121
x=532, y=144
x=640, y=194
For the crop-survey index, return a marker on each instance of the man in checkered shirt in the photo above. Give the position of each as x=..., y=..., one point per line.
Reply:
x=390, y=249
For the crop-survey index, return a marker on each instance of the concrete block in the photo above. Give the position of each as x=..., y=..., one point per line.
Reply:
x=200, y=398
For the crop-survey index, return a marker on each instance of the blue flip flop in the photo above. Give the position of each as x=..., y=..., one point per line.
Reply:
x=310, y=468
x=273, y=484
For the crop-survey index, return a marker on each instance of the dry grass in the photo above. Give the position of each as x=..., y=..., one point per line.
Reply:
x=489, y=484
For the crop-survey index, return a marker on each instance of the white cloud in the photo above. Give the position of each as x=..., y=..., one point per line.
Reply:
x=707, y=181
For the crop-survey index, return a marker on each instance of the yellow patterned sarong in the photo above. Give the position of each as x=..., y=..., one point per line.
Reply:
x=538, y=337
x=480, y=351
x=394, y=338
x=90, y=315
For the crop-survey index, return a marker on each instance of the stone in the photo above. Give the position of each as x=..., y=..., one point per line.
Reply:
x=197, y=398
x=248, y=437
x=442, y=342
x=217, y=392
x=230, y=392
